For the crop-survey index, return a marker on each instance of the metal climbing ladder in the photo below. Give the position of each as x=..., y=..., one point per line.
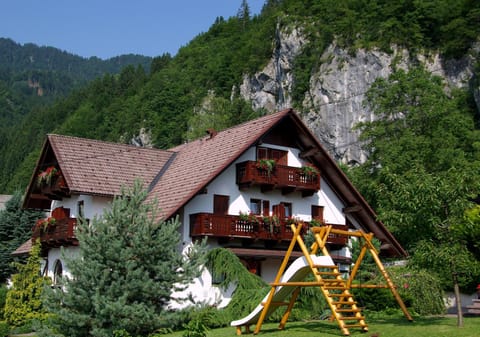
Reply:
x=328, y=278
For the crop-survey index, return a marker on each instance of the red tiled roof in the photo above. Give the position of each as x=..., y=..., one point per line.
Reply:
x=102, y=168
x=199, y=162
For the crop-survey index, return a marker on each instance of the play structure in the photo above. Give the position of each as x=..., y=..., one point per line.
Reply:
x=327, y=277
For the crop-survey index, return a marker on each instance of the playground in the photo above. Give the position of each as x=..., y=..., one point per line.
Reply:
x=316, y=261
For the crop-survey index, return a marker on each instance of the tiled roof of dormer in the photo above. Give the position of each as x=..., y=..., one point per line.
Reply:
x=199, y=162
x=101, y=168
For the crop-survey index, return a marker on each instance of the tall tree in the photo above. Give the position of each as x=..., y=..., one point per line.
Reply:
x=424, y=170
x=128, y=267
x=15, y=228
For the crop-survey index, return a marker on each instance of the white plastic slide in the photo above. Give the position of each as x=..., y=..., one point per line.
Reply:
x=297, y=271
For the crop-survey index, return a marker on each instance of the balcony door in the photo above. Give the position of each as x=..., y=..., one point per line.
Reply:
x=220, y=204
x=279, y=156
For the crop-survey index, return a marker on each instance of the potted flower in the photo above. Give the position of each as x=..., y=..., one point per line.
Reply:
x=45, y=224
x=45, y=177
x=309, y=171
x=272, y=224
x=267, y=165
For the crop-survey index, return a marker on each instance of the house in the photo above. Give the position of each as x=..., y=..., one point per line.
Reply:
x=238, y=187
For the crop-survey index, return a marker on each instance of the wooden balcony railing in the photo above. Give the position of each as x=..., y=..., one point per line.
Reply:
x=233, y=226
x=287, y=178
x=56, y=231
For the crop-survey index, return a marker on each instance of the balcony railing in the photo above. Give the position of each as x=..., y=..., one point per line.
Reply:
x=287, y=178
x=233, y=226
x=57, y=230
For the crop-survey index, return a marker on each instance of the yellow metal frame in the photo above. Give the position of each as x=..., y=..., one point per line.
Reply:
x=329, y=279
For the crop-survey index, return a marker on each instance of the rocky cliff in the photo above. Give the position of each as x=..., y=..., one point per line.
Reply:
x=333, y=104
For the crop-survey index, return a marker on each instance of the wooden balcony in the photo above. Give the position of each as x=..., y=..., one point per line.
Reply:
x=286, y=178
x=232, y=226
x=55, y=190
x=56, y=231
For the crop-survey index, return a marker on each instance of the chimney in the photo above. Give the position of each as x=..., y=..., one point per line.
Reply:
x=211, y=132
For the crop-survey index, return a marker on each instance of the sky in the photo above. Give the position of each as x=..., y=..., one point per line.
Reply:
x=108, y=28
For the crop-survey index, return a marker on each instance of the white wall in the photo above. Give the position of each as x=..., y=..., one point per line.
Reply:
x=225, y=184
x=93, y=205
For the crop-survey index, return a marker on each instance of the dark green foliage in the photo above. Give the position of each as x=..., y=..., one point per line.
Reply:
x=128, y=267
x=15, y=228
x=250, y=290
x=423, y=171
x=4, y=329
x=420, y=291
x=24, y=299
x=3, y=298
x=199, y=323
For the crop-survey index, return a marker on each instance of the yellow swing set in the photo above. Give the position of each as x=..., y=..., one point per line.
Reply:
x=328, y=278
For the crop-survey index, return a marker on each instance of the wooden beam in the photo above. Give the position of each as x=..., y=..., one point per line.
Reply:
x=309, y=152
x=352, y=209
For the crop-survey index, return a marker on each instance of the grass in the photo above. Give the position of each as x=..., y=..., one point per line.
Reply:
x=386, y=327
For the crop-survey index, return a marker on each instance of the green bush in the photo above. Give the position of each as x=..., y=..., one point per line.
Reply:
x=3, y=297
x=419, y=290
x=4, y=329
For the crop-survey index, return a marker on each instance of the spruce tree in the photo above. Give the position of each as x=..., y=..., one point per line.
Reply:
x=128, y=267
x=15, y=228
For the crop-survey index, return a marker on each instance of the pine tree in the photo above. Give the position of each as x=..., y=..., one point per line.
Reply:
x=15, y=228
x=128, y=267
x=24, y=299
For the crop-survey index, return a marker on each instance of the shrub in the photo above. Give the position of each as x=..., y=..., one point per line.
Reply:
x=4, y=329
x=419, y=290
x=3, y=297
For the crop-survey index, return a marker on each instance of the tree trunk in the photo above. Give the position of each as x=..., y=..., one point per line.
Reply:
x=456, y=289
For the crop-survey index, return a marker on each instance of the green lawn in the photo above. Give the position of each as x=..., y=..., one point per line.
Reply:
x=390, y=327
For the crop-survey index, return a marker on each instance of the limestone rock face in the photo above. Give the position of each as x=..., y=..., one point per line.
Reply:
x=333, y=104
x=271, y=88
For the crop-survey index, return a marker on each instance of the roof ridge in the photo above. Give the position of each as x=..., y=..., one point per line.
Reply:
x=106, y=142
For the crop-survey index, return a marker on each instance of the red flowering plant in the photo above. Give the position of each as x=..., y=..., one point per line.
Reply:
x=44, y=224
x=267, y=165
x=45, y=177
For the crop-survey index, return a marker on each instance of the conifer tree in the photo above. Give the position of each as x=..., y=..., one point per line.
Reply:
x=24, y=299
x=15, y=228
x=128, y=267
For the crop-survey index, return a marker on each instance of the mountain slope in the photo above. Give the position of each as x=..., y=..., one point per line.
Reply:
x=286, y=56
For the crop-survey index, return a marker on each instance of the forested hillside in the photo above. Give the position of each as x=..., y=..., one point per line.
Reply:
x=174, y=101
x=32, y=78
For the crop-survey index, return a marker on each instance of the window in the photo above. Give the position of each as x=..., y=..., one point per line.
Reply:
x=266, y=207
x=256, y=206
x=283, y=210
x=220, y=204
x=317, y=213
x=288, y=209
x=80, y=210
x=279, y=156
x=57, y=272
